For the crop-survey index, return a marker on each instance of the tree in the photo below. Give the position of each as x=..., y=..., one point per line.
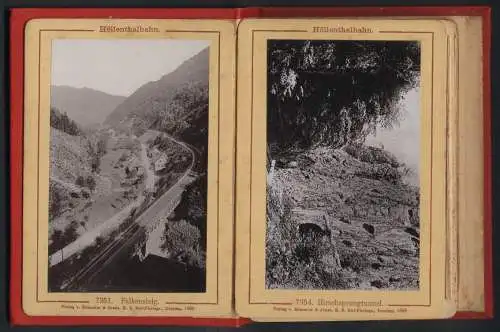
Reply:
x=62, y=122
x=335, y=92
x=57, y=241
x=182, y=241
x=101, y=147
x=90, y=183
x=193, y=207
x=96, y=163
x=80, y=181
x=70, y=232
x=55, y=202
x=99, y=241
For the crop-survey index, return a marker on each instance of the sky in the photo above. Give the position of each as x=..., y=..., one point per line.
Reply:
x=118, y=66
x=403, y=141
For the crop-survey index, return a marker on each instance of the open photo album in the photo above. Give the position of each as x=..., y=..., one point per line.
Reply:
x=235, y=165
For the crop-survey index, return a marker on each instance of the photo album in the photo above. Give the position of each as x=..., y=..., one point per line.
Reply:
x=225, y=166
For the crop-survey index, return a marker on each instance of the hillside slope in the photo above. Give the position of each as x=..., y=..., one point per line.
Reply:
x=70, y=157
x=341, y=219
x=86, y=106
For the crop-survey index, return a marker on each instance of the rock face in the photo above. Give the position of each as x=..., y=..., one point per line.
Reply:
x=369, y=228
x=342, y=221
x=311, y=217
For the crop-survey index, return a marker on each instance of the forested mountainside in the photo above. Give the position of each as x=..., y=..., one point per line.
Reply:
x=176, y=103
x=86, y=106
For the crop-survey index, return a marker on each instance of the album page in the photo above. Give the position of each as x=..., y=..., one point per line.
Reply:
x=128, y=167
x=344, y=169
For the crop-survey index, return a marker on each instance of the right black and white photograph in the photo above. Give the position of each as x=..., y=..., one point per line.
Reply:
x=343, y=152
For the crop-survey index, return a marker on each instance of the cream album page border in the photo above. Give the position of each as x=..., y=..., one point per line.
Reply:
x=252, y=298
x=217, y=300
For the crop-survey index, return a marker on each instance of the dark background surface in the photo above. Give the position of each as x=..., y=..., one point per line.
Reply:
x=407, y=326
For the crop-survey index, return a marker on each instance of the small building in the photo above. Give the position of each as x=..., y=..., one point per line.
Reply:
x=140, y=170
x=160, y=164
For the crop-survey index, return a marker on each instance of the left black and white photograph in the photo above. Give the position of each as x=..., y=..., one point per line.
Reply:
x=128, y=165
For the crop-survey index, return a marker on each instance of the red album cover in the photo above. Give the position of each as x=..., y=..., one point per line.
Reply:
x=18, y=21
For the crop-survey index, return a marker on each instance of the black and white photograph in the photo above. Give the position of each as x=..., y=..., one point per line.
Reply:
x=128, y=165
x=343, y=153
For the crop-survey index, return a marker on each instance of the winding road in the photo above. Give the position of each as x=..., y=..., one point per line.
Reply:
x=118, y=247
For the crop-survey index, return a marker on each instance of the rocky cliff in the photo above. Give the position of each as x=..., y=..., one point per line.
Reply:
x=340, y=219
